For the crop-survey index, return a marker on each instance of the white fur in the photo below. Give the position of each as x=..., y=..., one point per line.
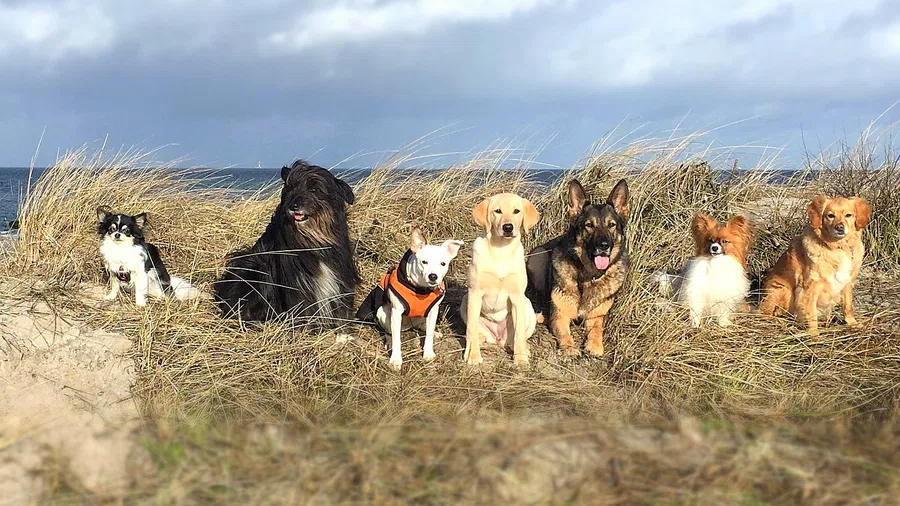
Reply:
x=124, y=255
x=713, y=286
x=424, y=262
x=328, y=291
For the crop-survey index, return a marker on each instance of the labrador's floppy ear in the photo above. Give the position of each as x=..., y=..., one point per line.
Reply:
x=480, y=214
x=814, y=211
x=103, y=212
x=417, y=240
x=618, y=198
x=532, y=216
x=577, y=199
x=452, y=247
x=863, y=212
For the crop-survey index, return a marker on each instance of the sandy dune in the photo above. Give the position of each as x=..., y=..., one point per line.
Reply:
x=64, y=394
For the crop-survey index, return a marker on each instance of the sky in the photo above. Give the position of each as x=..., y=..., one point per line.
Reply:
x=220, y=83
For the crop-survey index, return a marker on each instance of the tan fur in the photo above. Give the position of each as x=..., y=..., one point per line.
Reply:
x=820, y=269
x=495, y=305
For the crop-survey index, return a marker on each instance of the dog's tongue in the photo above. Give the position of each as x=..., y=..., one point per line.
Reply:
x=601, y=262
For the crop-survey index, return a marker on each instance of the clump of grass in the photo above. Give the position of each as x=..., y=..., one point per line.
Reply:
x=193, y=366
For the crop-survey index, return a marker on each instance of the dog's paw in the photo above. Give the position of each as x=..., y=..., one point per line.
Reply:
x=570, y=351
x=140, y=302
x=395, y=363
x=474, y=359
x=428, y=356
x=110, y=297
x=852, y=322
x=725, y=321
x=594, y=350
x=521, y=359
x=342, y=338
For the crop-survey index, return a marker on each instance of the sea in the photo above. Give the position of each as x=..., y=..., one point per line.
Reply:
x=14, y=184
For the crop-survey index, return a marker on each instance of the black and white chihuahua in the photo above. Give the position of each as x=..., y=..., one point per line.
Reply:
x=133, y=263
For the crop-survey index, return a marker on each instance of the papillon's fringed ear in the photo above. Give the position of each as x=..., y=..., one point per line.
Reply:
x=701, y=225
x=577, y=199
x=417, y=240
x=140, y=219
x=452, y=247
x=814, y=211
x=740, y=223
x=480, y=214
x=103, y=212
x=863, y=212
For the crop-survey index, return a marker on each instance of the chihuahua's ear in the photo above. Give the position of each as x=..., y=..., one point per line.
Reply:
x=480, y=214
x=577, y=199
x=618, y=198
x=140, y=219
x=863, y=212
x=417, y=240
x=532, y=216
x=814, y=211
x=103, y=212
x=452, y=247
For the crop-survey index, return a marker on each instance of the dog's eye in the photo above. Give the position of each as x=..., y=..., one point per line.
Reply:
x=849, y=215
x=831, y=215
x=497, y=211
x=725, y=241
x=589, y=225
x=443, y=264
x=611, y=224
x=516, y=211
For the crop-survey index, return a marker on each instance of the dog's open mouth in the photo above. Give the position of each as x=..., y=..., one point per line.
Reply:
x=299, y=216
x=601, y=261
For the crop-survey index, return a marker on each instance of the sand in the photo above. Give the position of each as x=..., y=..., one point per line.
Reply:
x=64, y=397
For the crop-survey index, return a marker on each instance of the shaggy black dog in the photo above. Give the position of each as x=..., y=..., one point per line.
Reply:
x=302, y=266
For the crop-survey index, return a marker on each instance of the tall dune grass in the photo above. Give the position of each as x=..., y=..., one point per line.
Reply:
x=193, y=366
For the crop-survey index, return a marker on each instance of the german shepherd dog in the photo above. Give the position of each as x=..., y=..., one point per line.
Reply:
x=579, y=274
x=302, y=265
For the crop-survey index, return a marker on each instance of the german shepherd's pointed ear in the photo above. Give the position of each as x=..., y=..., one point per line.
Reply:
x=863, y=212
x=814, y=211
x=577, y=199
x=103, y=212
x=480, y=214
x=345, y=191
x=618, y=198
x=417, y=240
x=532, y=216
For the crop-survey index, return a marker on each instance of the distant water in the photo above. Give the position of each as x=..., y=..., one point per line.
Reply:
x=14, y=183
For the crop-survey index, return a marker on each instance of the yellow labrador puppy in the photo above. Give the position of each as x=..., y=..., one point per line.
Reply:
x=495, y=306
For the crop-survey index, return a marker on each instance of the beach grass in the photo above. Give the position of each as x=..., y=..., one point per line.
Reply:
x=759, y=413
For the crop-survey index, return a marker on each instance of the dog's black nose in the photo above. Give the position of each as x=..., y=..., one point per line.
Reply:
x=507, y=228
x=432, y=278
x=604, y=244
x=840, y=227
x=715, y=248
x=117, y=235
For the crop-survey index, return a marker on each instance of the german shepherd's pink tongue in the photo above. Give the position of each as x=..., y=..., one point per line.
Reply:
x=601, y=262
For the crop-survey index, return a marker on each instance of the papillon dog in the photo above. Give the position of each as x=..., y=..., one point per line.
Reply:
x=714, y=282
x=133, y=263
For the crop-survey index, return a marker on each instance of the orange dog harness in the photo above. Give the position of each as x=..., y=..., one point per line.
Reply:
x=416, y=302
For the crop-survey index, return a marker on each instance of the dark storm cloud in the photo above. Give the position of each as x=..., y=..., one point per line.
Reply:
x=268, y=81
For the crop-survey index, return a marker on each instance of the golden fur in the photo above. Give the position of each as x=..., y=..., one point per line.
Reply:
x=821, y=266
x=495, y=305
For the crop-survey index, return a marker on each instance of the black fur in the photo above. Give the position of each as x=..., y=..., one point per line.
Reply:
x=278, y=275
x=109, y=223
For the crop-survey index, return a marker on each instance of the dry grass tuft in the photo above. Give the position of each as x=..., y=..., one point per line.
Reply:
x=351, y=420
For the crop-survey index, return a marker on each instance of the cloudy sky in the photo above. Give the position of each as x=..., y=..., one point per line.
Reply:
x=236, y=83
